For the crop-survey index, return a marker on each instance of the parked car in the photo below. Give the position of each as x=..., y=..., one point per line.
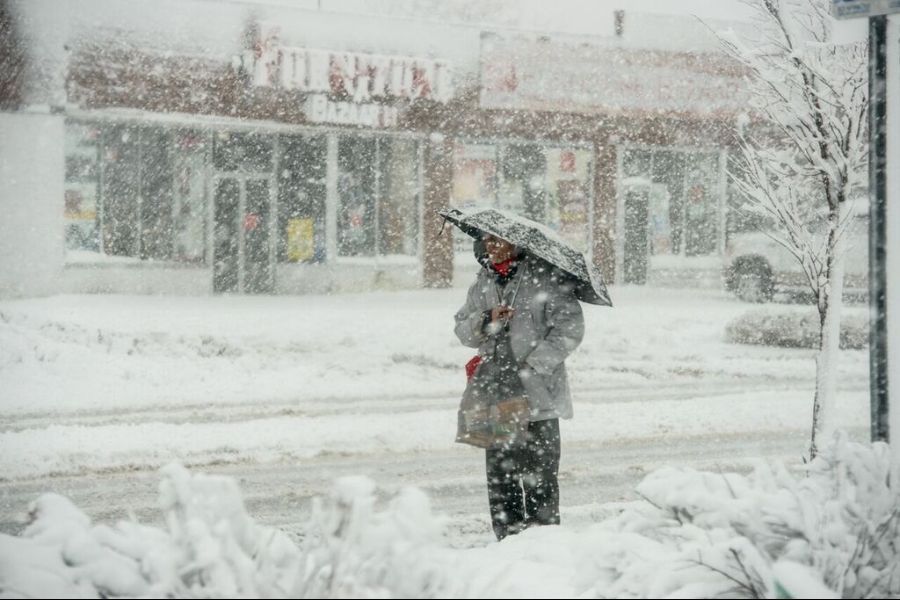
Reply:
x=757, y=267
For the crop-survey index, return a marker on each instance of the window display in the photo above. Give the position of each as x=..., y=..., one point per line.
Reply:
x=82, y=188
x=189, y=196
x=301, y=198
x=121, y=185
x=398, y=212
x=550, y=184
x=149, y=193
x=378, y=196
x=356, y=195
x=135, y=191
x=569, y=184
x=681, y=189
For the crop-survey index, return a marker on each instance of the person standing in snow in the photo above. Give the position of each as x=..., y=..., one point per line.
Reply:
x=523, y=310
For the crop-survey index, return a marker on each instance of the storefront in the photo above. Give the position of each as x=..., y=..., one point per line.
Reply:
x=661, y=125
x=290, y=166
x=245, y=208
x=317, y=185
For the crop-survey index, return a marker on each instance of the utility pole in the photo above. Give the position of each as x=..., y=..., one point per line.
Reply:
x=884, y=247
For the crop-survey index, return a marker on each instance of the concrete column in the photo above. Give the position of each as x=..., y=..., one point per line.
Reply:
x=32, y=171
x=438, y=247
x=604, y=226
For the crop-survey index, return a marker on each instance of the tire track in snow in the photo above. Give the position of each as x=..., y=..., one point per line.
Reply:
x=320, y=407
x=592, y=475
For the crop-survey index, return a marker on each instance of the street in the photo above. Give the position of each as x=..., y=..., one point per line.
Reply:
x=594, y=475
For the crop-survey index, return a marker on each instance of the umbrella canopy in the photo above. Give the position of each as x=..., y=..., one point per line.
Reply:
x=537, y=239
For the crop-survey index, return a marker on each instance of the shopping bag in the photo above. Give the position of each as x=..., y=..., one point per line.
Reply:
x=494, y=410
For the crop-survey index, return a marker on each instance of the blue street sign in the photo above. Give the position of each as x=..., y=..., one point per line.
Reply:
x=851, y=9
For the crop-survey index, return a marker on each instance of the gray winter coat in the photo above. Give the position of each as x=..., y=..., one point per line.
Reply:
x=546, y=327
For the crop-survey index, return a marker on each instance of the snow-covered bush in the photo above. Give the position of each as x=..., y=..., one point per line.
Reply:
x=350, y=550
x=832, y=530
x=840, y=520
x=794, y=329
x=211, y=548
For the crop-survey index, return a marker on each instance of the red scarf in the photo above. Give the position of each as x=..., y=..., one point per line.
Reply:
x=504, y=267
x=471, y=366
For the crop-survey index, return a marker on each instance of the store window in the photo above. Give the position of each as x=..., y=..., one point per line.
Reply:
x=189, y=195
x=121, y=164
x=82, y=188
x=398, y=212
x=568, y=185
x=475, y=180
x=378, y=196
x=356, y=195
x=523, y=169
x=672, y=201
x=701, y=205
x=474, y=174
x=548, y=183
x=666, y=199
x=156, y=201
x=135, y=191
x=740, y=218
x=301, y=199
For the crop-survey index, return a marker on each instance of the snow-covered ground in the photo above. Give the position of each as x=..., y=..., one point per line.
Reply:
x=286, y=394
x=112, y=382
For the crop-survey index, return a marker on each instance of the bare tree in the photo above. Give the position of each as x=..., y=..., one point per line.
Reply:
x=807, y=161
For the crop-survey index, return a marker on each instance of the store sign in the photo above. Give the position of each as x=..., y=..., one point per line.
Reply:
x=519, y=73
x=352, y=77
x=849, y=9
x=320, y=109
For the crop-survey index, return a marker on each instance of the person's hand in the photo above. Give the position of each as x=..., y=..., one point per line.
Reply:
x=496, y=319
x=526, y=372
x=502, y=313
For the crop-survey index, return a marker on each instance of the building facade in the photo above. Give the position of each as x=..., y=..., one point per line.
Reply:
x=292, y=162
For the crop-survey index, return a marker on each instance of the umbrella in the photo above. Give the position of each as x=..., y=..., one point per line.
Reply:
x=537, y=239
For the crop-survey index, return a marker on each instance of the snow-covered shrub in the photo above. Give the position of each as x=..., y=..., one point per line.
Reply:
x=832, y=530
x=46, y=562
x=211, y=548
x=350, y=550
x=794, y=329
x=214, y=547
x=841, y=520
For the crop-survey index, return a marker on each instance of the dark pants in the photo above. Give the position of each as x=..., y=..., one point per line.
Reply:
x=523, y=489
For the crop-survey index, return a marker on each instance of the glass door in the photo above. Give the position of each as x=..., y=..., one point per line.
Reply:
x=242, y=248
x=256, y=264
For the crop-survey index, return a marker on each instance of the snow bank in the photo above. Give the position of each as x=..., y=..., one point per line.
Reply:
x=832, y=531
x=841, y=521
x=795, y=327
x=212, y=548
